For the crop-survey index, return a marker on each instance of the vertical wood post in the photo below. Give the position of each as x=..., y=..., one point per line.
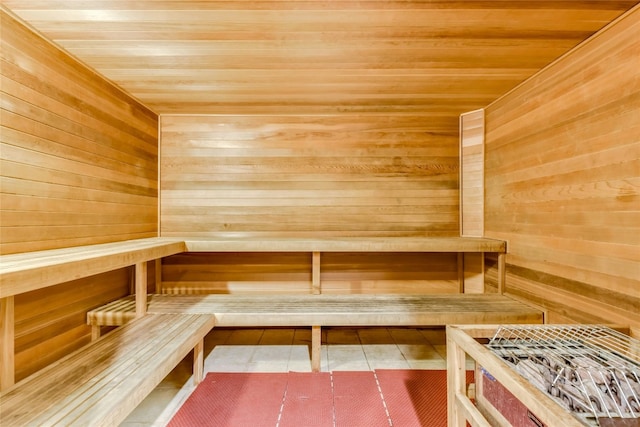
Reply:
x=316, y=347
x=141, y=288
x=502, y=272
x=158, y=265
x=456, y=381
x=95, y=332
x=198, y=362
x=7, y=335
x=315, y=273
x=461, y=272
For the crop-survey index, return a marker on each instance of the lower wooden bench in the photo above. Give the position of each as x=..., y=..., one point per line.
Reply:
x=327, y=310
x=101, y=383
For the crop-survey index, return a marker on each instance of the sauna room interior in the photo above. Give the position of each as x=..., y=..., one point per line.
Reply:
x=348, y=149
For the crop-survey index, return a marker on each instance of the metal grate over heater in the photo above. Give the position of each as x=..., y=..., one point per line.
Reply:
x=592, y=371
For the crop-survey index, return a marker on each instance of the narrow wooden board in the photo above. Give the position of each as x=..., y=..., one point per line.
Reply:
x=347, y=244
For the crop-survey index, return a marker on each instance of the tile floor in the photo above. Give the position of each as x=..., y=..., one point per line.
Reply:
x=284, y=350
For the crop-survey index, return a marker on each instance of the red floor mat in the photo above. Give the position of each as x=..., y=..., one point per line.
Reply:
x=357, y=400
x=342, y=399
x=415, y=398
x=234, y=399
x=309, y=401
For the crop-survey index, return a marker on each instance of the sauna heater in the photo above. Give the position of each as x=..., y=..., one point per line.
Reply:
x=591, y=371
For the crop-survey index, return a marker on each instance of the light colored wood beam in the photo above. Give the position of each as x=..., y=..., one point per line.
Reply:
x=158, y=267
x=198, y=362
x=316, y=346
x=7, y=333
x=141, y=288
x=315, y=274
x=502, y=272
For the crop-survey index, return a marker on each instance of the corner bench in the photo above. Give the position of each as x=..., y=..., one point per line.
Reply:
x=101, y=383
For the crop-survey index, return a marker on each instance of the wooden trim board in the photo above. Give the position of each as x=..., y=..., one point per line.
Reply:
x=348, y=244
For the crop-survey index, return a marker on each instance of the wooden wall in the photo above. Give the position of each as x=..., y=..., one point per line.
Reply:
x=334, y=175
x=290, y=273
x=310, y=176
x=78, y=166
x=562, y=181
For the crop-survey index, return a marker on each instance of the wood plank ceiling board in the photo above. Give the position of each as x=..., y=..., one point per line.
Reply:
x=317, y=57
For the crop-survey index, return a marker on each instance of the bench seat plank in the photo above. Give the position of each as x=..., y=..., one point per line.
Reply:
x=101, y=383
x=331, y=310
x=29, y=271
x=347, y=244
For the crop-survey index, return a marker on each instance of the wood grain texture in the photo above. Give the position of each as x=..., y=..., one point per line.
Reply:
x=50, y=323
x=29, y=271
x=307, y=176
x=472, y=173
x=101, y=384
x=342, y=310
x=7, y=337
x=472, y=194
x=562, y=162
x=78, y=166
x=79, y=156
x=246, y=56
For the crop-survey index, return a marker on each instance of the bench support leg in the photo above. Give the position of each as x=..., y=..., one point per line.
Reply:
x=7, y=343
x=315, y=274
x=502, y=272
x=158, y=268
x=460, y=272
x=95, y=332
x=141, y=289
x=198, y=362
x=316, y=345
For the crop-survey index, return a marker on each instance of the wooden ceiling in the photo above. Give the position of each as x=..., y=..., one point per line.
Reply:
x=432, y=57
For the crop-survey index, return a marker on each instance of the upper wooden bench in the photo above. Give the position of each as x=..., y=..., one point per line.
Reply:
x=28, y=271
x=316, y=246
x=346, y=244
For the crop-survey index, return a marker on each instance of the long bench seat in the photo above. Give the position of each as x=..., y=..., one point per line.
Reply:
x=346, y=244
x=316, y=311
x=101, y=383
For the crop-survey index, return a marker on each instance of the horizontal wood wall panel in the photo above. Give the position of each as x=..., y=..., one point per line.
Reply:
x=406, y=273
x=318, y=57
x=562, y=182
x=78, y=165
x=69, y=136
x=298, y=175
x=291, y=273
x=51, y=321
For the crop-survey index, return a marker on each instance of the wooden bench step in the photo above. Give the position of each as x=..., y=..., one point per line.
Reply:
x=329, y=310
x=316, y=311
x=101, y=383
